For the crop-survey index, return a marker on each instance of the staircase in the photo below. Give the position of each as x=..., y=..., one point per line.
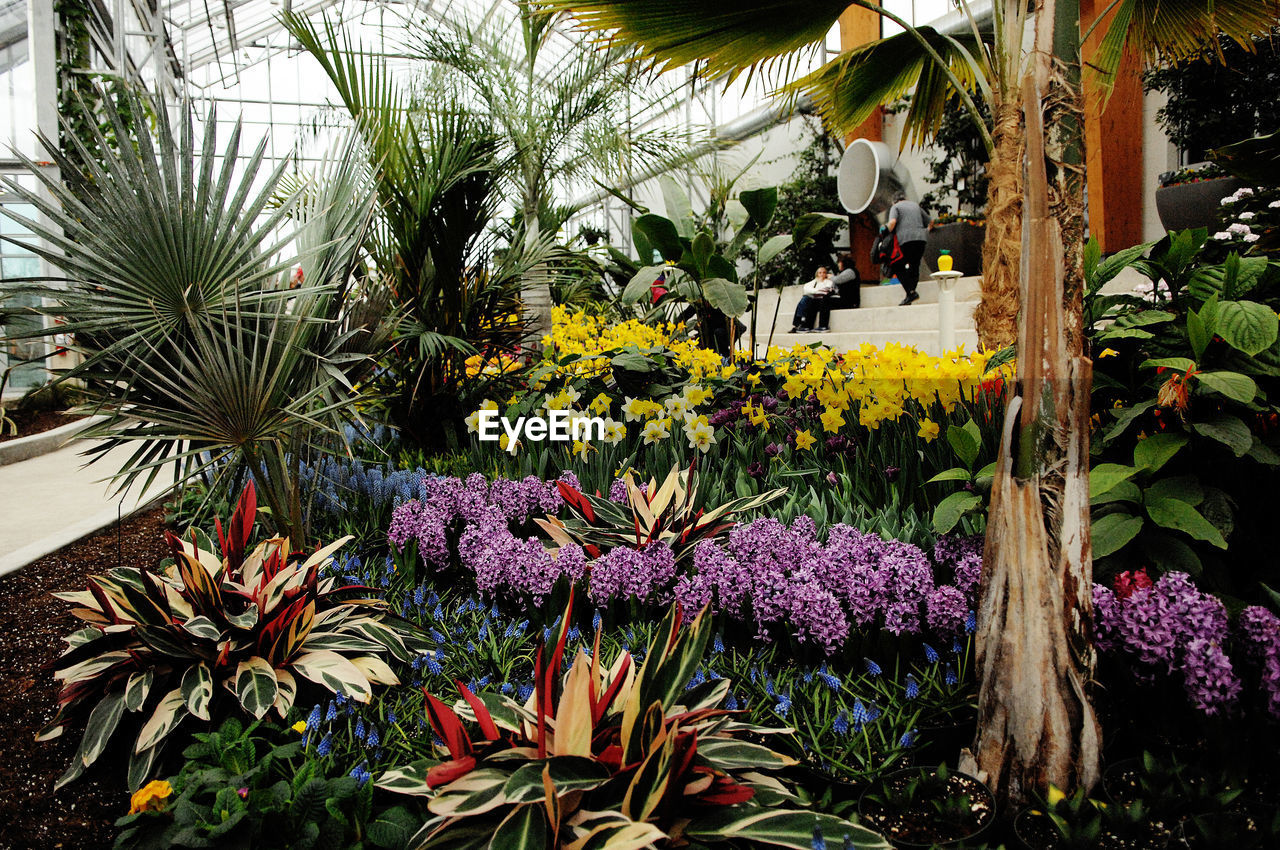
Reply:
x=878, y=321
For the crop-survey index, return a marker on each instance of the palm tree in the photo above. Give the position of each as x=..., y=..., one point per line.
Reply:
x=560, y=118
x=728, y=37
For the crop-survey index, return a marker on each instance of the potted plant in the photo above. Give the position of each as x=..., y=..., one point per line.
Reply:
x=1078, y=821
x=928, y=806
x=1212, y=104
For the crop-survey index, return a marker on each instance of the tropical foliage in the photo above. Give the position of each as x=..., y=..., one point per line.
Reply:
x=610, y=754
x=160, y=647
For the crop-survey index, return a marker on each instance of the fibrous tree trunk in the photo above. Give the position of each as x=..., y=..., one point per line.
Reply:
x=996, y=316
x=1036, y=725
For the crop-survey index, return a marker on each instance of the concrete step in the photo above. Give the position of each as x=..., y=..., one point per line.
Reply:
x=916, y=317
x=966, y=289
x=926, y=341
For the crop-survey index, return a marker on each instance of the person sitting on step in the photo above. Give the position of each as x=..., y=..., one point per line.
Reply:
x=816, y=298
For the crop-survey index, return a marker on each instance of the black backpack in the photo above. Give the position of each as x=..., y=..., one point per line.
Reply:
x=886, y=251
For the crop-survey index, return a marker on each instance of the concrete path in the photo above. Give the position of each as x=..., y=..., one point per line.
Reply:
x=52, y=500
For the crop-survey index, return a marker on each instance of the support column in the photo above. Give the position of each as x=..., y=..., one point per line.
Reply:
x=1113, y=144
x=859, y=26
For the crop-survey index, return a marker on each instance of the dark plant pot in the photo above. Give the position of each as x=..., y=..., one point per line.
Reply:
x=962, y=240
x=1191, y=205
x=921, y=826
x=1122, y=781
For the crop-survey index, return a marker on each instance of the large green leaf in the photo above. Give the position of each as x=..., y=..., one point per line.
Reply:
x=1228, y=430
x=1178, y=515
x=1247, y=325
x=1233, y=385
x=1105, y=476
x=772, y=248
x=950, y=510
x=1111, y=532
x=256, y=685
x=525, y=828
x=760, y=205
x=679, y=210
x=726, y=296
x=781, y=828
x=1154, y=452
x=809, y=225
x=640, y=287
x=729, y=754
x=662, y=234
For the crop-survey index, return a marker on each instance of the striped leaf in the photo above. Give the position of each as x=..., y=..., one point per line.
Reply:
x=101, y=726
x=526, y=828
x=288, y=691
x=256, y=686
x=168, y=714
x=475, y=793
x=409, y=779
x=334, y=672
x=137, y=689
x=732, y=754
x=780, y=828
x=197, y=690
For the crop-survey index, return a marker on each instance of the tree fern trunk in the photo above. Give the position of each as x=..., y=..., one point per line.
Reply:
x=996, y=316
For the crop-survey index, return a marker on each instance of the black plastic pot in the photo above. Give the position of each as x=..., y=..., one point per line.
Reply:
x=871, y=812
x=1035, y=831
x=1190, y=205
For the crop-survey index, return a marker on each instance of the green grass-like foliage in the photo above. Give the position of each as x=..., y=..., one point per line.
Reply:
x=160, y=647
x=610, y=756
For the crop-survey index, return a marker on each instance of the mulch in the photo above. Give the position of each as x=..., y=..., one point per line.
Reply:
x=32, y=625
x=34, y=422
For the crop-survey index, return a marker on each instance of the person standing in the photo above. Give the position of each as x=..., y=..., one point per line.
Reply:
x=816, y=295
x=910, y=224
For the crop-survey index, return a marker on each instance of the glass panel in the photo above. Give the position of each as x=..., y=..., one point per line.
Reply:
x=17, y=262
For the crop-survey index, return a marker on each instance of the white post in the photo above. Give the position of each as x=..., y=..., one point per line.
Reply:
x=946, y=309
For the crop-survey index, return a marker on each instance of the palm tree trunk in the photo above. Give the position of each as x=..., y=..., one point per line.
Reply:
x=996, y=316
x=1036, y=725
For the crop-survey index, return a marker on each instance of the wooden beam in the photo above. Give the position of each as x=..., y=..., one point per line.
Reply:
x=1113, y=144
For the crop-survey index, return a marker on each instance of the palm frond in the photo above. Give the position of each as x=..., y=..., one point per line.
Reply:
x=1164, y=31
x=730, y=36
x=848, y=90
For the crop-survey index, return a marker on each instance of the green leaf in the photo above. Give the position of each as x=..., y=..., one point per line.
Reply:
x=662, y=234
x=1169, y=553
x=1263, y=453
x=1156, y=450
x=954, y=474
x=1184, y=488
x=639, y=287
x=1197, y=335
x=775, y=246
x=634, y=361
x=949, y=511
x=392, y=829
x=1112, y=532
x=100, y=727
x=964, y=444
x=680, y=211
x=197, y=689
x=809, y=225
x=1208, y=281
x=1247, y=326
x=1105, y=476
x=703, y=247
x=1228, y=430
x=727, y=297
x=169, y=712
x=1177, y=364
x=749, y=825
x=1125, y=491
x=729, y=754
x=137, y=689
x=407, y=779
x=1178, y=515
x=526, y=828
x=1233, y=385
x=256, y=685
x=760, y=205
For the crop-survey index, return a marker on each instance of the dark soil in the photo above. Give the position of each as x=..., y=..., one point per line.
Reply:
x=34, y=422
x=32, y=624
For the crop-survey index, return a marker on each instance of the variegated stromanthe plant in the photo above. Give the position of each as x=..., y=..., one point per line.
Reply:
x=666, y=514
x=608, y=756
x=209, y=634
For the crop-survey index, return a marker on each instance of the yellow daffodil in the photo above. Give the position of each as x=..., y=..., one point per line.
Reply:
x=655, y=431
x=831, y=420
x=614, y=432
x=581, y=448
x=928, y=431
x=633, y=409
x=696, y=396
x=805, y=440
x=676, y=406
x=600, y=404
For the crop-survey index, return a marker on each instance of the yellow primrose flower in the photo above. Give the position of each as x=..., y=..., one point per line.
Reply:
x=299, y=727
x=150, y=797
x=805, y=440
x=928, y=430
x=1108, y=352
x=831, y=420
x=600, y=404
x=655, y=431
